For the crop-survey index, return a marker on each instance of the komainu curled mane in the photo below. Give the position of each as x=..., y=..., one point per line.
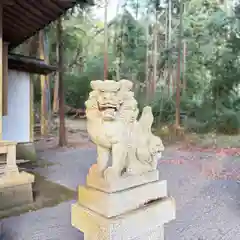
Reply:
x=112, y=111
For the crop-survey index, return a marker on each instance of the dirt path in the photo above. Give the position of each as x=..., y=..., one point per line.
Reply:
x=76, y=133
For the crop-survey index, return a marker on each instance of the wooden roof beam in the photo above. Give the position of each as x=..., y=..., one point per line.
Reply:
x=8, y=2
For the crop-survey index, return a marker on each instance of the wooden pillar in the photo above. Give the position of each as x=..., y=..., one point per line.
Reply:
x=55, y=97
x=43, y=79
x=5, y=79
x=56, y=84
x=32, y=121
x=1, y=68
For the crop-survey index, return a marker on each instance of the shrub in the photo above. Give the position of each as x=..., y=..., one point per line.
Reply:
x=228, y=123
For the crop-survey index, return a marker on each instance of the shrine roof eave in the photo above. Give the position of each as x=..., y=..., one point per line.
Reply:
x=29, y=64
x=22, y=19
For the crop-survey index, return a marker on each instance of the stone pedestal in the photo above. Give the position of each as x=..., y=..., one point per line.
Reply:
x=133, y=207
x=15, y=186
x=16, y=190
x=8, y=158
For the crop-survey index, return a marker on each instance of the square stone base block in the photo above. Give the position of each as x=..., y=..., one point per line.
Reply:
x=117, y=203
x=157, y=234
x=123, y=183
x=141, y=224
x=16, y=190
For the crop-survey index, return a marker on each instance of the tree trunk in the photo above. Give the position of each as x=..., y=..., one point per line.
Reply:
x=155, y=54
x=178, y=79
x=105, y=41
x=56, y=83
x=62, y=130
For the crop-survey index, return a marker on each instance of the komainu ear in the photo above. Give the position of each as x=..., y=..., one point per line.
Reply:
x=96, y=84
x=126, y=84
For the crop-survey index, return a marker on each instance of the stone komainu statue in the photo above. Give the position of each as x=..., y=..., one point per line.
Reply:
x=112, y=124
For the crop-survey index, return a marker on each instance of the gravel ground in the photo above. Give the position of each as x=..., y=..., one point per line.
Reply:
x=207, y=201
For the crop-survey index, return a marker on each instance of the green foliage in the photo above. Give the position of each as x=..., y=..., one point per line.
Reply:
x=78, y=89
x=212, y=72
x=163, y=107
x=211, y=101
x=228, y=122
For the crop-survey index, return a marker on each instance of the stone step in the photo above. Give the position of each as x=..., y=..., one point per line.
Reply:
x=116, y=203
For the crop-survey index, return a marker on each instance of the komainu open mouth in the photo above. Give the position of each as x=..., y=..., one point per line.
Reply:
x=106, y=106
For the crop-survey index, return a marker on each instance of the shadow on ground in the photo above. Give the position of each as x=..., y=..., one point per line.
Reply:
x=45, y=193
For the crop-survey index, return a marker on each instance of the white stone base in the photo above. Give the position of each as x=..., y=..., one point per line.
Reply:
x=8, y=164
x=157, y=234
x=129, y=208
x=16, y=190
x=123, y=183
x=141, y=224
x=117, y=203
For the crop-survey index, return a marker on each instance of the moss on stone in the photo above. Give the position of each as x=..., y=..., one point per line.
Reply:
x=26, y=152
